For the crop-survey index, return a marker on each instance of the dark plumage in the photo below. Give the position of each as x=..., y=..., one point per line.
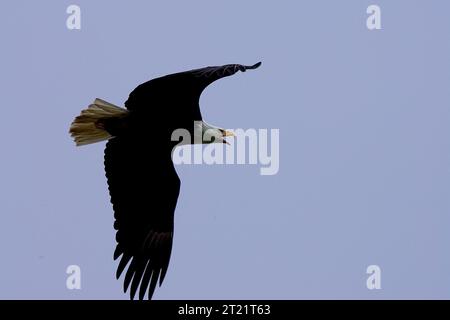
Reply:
x=142, y=180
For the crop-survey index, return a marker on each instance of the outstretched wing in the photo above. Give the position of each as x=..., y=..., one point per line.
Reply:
x=144, y=189
x=205, y=76
x=185, y=87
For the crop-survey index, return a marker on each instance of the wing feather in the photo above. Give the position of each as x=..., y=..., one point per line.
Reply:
x=144, y=189
x=182, y=88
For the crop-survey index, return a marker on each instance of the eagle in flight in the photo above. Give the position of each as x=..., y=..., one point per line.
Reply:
x=142, y=180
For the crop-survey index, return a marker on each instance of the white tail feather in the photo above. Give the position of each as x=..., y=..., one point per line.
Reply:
x=84, y=128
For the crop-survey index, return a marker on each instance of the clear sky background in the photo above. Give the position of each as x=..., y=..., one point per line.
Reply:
x=364, y=151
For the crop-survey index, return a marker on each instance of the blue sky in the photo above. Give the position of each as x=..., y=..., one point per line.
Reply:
x=364, y=147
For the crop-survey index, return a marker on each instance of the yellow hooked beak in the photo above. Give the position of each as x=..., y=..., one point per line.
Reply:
x=226, y=133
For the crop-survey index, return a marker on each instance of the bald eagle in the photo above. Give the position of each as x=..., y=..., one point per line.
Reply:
x=142, y=180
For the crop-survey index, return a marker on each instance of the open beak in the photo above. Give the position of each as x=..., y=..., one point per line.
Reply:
x=226, y=133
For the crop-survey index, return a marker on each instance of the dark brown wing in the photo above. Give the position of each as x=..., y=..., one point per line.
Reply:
x=183, y=88
x=144, y=189
x=205, y=76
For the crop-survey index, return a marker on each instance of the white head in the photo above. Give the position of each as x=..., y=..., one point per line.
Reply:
x=206, y=133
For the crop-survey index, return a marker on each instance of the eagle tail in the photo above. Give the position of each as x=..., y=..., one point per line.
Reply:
x=88, y=127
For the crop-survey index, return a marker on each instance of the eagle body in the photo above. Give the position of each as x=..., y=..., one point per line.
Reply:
x=142, y=181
